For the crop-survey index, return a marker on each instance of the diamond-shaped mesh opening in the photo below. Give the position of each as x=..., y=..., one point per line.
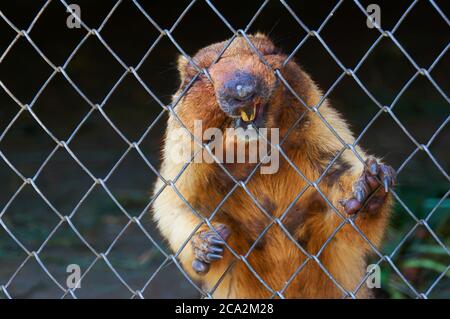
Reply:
x=315, y=60
x=93, y=283
x=26, y=144
x=429, y=106
x=63, y=249
x=383, y=136
x=94, y=70
x=30, y=218
x=51, y=181
x=130, y=103
x=31, y=281
x=187, y=30
x=284, y=29
x=358, y=108
x=393, y=74
x=422, y=47
x=57, y=103
x=121, y=34
x=340, y=27
x=418, y=184
x=55, y=44
x=180, y=286
x=82, y=124
x=97, y=136
x=98, y=219
x=134, y=257
x=133, y=195
x=157, y=66
x=20, y=60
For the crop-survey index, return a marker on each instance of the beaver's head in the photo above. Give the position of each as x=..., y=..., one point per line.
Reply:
x=241, y=89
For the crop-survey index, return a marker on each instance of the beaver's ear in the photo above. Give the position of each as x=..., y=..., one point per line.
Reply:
x=262, y=36
x=185, y=69
x=265, y=45
x=182, y=64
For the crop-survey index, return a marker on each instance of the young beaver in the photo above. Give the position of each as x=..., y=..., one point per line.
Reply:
x=241, y=88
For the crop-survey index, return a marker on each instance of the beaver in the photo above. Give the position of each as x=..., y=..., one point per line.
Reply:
x=304, y=231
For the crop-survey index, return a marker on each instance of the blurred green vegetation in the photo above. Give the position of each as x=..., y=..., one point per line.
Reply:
x=421, y=259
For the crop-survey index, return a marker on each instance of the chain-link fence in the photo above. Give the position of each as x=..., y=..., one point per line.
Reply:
x=99, y=180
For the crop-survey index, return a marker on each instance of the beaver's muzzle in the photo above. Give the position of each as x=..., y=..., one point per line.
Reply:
x=239, y=96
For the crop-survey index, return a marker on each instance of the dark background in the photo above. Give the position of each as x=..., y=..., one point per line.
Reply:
x=421, y=109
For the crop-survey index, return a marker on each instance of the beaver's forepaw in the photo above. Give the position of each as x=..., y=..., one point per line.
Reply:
x=208, y=247
x=368, y=194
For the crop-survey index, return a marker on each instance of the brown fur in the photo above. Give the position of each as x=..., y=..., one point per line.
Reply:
x=310, y=146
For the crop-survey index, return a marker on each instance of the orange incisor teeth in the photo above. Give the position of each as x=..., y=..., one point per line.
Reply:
x=246, y=118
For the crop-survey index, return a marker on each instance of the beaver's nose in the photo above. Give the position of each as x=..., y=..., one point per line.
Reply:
x=238, y=91
x=241, y=86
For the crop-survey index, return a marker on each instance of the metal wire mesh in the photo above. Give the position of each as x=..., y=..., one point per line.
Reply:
x=66, y=219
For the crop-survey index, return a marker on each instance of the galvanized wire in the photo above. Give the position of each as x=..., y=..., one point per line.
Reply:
x=170, y=258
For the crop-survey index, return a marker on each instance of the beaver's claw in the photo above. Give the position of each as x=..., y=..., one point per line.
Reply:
x=208, y=247
x=368, y=194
